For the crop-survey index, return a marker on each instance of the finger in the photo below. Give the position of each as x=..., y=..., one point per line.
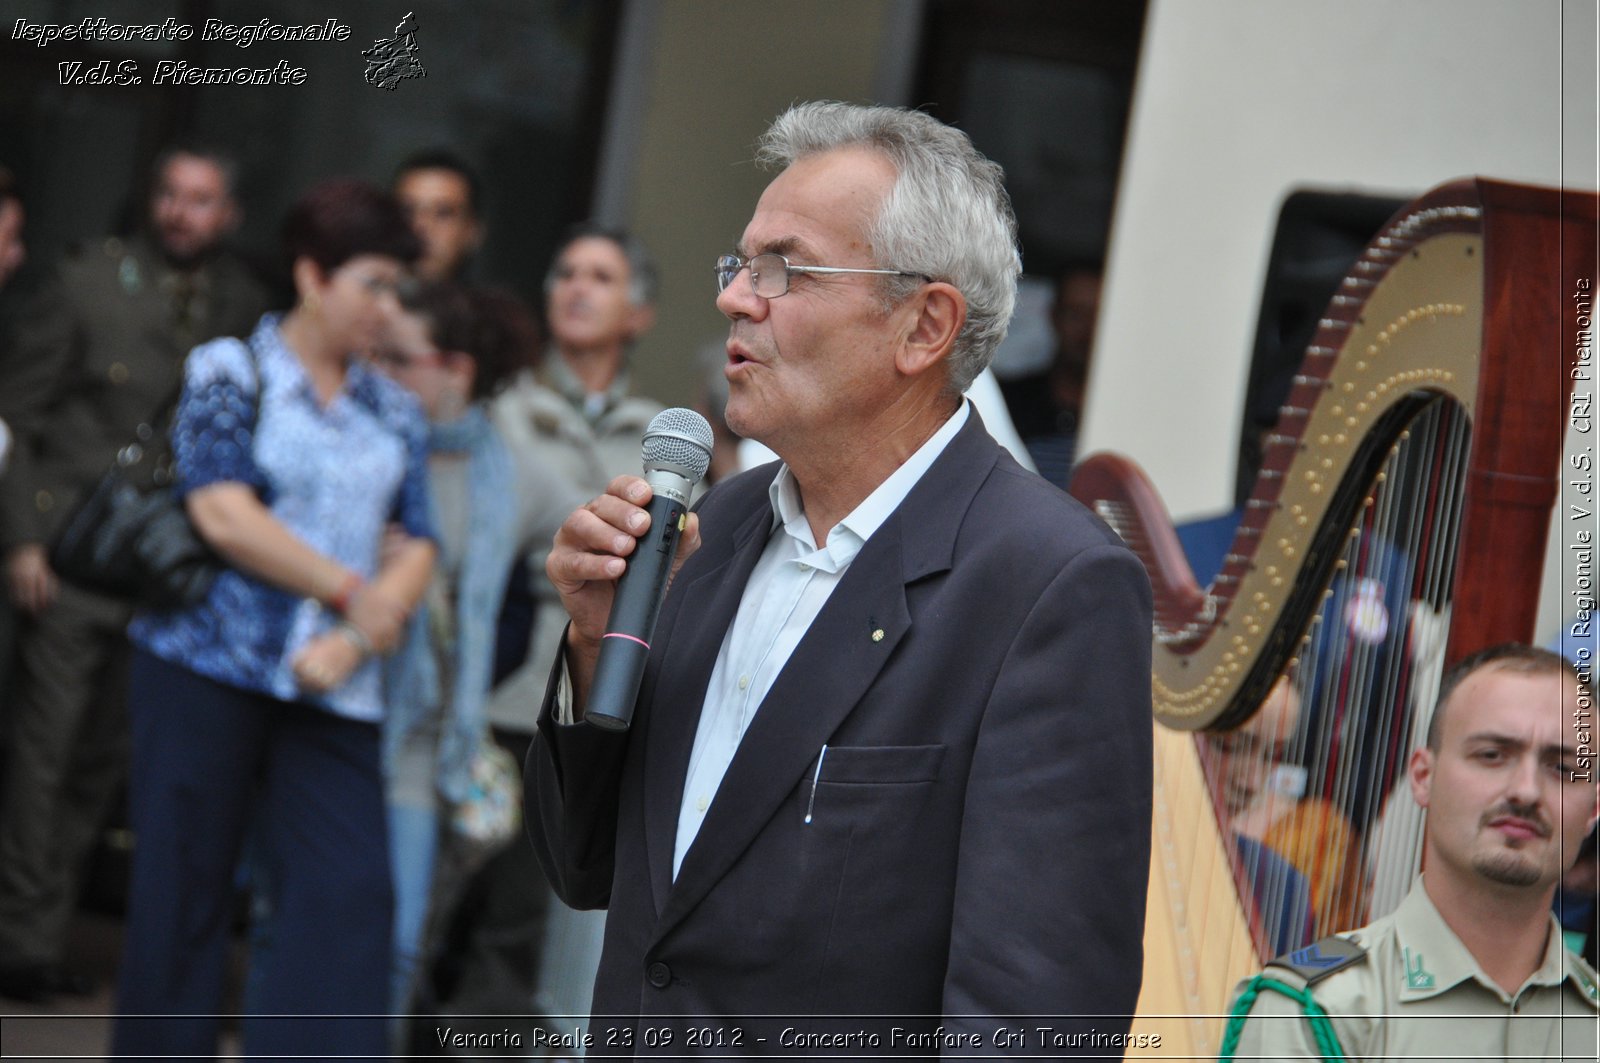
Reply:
x=569, y=569
x=620, y=514
x=688, y=543
x=604, y=526
x=631, y=489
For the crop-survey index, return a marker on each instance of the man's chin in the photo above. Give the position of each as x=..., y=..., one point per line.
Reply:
x=183, y=256
x=1509, y=869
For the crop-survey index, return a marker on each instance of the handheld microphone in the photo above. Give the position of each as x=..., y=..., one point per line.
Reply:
x=677, y=452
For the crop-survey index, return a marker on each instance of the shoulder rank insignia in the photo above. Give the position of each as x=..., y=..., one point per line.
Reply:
x=1316, y=962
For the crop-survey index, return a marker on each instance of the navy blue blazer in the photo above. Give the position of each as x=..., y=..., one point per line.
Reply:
x=980, y=832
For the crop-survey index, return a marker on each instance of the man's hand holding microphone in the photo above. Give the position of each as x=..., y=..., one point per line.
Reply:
x=613, y=558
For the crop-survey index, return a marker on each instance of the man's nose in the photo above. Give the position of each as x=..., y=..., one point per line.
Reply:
x=1525, y=783
x=739, y=298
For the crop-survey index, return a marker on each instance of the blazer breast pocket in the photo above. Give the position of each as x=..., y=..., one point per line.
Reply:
x=879, y=764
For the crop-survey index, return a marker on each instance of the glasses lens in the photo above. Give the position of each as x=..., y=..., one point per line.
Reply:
x=770, y=275
x=727, y=268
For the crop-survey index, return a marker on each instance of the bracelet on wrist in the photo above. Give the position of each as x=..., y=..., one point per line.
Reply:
x=339, y=601
x=355, y=637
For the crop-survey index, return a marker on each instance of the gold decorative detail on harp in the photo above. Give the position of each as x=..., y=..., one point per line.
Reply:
x=1398, y=523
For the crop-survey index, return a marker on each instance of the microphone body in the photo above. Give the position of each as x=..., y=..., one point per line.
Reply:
x=625, y=647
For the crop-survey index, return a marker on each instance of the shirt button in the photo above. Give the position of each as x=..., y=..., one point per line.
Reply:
x=744, y=682
x=804, y=567
x=701, y=804
x=659, y=974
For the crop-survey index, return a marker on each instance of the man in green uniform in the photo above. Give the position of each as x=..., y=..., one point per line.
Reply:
x=1471, y=965
x=95, y=358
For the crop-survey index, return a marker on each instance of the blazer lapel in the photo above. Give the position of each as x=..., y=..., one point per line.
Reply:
x=831, y=669
x=709, y=605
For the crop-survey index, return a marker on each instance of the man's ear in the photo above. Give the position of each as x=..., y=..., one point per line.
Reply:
x=1419, y=772
x=308, y=277
x=940, y=310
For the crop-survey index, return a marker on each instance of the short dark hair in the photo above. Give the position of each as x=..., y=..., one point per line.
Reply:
x=444, y=159
x=492, y=326
x=643, y=280
x=512, y=340
x=338, y=219
x=1509, y=657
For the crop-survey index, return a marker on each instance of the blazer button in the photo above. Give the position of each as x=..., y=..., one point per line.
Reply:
x=660, y=975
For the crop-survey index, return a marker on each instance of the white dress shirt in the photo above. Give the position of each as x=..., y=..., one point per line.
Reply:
x=787, y=589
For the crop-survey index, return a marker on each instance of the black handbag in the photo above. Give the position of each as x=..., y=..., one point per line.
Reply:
x=131, y=538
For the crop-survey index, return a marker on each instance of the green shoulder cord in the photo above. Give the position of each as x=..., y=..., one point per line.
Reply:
x=1328, y=1046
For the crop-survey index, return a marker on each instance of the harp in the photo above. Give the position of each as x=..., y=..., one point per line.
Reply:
x=1398, y=523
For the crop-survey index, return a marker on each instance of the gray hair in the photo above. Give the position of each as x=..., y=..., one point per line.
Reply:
x=643, y=280
x=948, y=215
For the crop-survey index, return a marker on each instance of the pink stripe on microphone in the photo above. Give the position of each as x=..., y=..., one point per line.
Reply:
x=630, y=638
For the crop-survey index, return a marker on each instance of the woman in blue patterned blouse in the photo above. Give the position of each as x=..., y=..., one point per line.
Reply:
x=257, y=711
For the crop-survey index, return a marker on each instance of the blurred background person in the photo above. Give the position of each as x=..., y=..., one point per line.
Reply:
x=258, y=709
x=575, y=417
x=443, y=199
x=13, y=252
x=711, y=402
x=1244, y=761
x=452, y=349
x=1046, y=406
x=95, y=354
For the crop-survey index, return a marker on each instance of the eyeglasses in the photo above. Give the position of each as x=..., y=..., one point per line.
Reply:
x=769, y=273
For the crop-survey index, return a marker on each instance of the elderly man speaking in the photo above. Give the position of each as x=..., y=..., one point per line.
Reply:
x=888, y=779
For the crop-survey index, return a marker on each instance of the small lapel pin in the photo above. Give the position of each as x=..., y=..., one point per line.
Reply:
x=877, y=634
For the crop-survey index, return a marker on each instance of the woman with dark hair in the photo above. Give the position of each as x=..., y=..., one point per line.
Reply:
x=257, y=711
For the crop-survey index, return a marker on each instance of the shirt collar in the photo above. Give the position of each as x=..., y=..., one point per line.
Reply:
x=560, y=378
x=1436, y=960
x=851, y=533
x=360, y=380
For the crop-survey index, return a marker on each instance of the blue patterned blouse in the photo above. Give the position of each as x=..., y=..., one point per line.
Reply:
x=334, y=475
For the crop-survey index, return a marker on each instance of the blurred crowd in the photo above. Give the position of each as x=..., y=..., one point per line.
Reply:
x=323, y=752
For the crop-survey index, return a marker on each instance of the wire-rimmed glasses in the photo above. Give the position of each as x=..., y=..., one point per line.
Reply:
x=769, y=273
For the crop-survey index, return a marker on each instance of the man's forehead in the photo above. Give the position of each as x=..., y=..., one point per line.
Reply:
x=194, y=169
x=595, y=251
x=1526, y=706
x=435, y=182
x=820, y=204
x=789, y=245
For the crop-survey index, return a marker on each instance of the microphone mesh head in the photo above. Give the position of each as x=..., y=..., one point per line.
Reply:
x=679, y=440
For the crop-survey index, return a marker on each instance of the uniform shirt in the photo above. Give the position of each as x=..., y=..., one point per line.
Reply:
x=333, y=475
x=1418, y=993
x=787, y=589
x=91, y=356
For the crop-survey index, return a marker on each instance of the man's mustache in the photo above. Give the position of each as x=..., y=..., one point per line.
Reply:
x=1527, y=813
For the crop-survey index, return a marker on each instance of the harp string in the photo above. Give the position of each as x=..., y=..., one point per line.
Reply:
x=1302, y=786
